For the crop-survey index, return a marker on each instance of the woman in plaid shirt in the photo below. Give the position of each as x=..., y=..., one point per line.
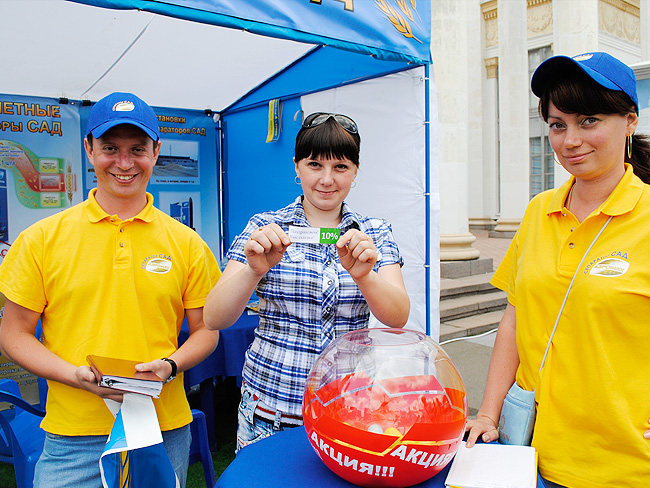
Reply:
x=309, y=293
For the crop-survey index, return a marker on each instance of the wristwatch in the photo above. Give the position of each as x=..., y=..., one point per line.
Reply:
x=174, y=369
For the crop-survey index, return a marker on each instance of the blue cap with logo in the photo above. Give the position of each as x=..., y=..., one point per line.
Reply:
x=122, y=108
x=601, y=67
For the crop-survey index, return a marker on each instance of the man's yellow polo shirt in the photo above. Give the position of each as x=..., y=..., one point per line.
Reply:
x=112, y=288
x=594, y=392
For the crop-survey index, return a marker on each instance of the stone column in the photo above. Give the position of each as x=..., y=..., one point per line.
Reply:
x=449, y=47
x=513, y=115
x=490, y=151
x=480, y=161
x=645, y=30
x=573, y=35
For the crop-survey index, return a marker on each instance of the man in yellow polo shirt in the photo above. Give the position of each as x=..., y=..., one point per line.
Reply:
x=112, y=276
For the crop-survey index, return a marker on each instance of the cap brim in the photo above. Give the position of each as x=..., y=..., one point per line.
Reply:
x=100, y=130
x=549, y=69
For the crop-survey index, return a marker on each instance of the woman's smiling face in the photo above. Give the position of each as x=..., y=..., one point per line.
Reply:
x=589, y=146
x=325, y=182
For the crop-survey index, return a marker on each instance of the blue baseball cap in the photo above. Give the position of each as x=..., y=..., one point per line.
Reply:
x=601, y=67
x=122, y=108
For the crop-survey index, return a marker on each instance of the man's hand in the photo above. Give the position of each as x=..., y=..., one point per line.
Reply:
x=88, y=381
x=160, y=368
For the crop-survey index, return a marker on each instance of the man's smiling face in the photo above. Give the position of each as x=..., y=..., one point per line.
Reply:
x=123, y=157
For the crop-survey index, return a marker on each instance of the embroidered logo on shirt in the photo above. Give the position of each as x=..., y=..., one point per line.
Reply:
x=158, y=265
x=610, y=267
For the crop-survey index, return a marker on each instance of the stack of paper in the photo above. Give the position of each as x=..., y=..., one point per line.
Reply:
x=493, y=466
x=120, y=374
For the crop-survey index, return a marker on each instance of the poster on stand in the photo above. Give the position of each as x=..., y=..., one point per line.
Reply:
x=40, y=161
x=40, y=169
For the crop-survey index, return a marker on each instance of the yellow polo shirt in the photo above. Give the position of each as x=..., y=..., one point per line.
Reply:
x=112, y=288
x=594, y=391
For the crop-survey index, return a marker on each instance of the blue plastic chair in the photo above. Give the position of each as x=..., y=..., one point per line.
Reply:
x=200, y=448
x=21, y=437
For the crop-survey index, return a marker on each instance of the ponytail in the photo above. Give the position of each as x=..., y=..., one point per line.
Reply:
x=640, y=159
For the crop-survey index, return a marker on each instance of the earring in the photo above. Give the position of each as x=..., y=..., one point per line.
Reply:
x=297, y=180
x=628, y=146
x=555, y=159
x=354, y=183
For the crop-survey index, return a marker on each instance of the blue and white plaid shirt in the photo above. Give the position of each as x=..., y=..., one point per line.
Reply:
x=306, y=301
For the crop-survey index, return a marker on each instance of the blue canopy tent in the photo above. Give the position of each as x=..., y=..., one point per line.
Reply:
x=369, y=59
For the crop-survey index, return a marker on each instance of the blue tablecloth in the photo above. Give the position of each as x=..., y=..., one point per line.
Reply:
x=228, y=358
x=287, y=460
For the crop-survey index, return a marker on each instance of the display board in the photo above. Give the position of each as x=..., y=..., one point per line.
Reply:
x=39, y=159
x=40, y=174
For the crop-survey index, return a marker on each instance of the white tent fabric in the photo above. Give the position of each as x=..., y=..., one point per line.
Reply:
x=62, y=49
x=391, y=180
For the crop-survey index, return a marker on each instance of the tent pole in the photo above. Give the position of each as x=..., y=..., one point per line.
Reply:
x=427, y=201
x=220, y=178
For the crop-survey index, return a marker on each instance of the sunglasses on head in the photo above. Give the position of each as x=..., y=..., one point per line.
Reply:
x=319, y=118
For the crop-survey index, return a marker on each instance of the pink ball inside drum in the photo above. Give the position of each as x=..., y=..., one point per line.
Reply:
x=385, y=407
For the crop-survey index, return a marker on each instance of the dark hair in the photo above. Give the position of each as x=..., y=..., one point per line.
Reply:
x=328, y=140
x=577, y=93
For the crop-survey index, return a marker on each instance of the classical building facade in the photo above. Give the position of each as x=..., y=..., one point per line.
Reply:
x=493, y=151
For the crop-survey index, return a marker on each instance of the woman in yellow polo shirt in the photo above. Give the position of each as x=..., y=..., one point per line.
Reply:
x=593, y=392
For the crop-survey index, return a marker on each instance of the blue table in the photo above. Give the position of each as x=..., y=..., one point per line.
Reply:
x=287, y=460
x=226, y=360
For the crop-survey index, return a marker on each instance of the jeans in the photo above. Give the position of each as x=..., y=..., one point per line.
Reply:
x=251, y=428
x=74, y=460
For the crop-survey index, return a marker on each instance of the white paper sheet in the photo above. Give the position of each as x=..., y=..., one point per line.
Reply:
x=493, y=466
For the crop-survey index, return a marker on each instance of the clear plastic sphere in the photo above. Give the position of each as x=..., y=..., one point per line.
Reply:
x=385, y=407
